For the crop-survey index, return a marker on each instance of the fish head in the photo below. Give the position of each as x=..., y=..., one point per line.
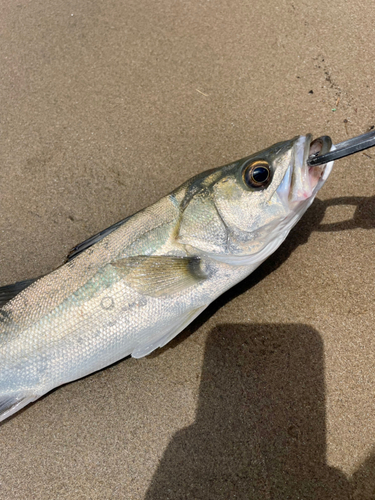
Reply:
x=241, y=212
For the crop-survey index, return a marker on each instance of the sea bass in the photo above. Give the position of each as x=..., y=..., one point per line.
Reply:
x=136, y=285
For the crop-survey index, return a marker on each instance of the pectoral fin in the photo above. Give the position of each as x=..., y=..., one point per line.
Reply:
x=160, y=339
x=160, y=275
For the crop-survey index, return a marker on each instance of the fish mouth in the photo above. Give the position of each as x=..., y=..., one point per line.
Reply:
x=305, y=180
x=318, y=147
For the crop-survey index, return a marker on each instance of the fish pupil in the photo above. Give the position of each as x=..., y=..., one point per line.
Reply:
x=260, y=174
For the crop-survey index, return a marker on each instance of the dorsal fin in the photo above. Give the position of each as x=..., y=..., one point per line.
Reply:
x=81, y=247
x=7, y=292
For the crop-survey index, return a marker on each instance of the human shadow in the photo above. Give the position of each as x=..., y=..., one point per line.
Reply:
x=260, y=428
x=363, y=479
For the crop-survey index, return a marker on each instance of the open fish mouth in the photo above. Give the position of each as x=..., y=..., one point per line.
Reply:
x=318, y=147
x=305, y=180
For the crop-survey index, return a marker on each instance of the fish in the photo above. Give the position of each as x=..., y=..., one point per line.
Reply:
x=133, y=287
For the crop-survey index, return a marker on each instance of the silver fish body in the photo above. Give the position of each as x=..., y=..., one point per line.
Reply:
x=146, y=280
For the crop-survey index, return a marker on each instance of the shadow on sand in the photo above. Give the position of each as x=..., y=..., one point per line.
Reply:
x=260, y=430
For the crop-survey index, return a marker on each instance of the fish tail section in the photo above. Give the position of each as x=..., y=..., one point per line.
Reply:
x=10, y=404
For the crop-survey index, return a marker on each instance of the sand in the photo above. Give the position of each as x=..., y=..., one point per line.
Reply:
x=106, y=107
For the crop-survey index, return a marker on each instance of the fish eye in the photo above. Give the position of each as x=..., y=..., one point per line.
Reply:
x=257, y=174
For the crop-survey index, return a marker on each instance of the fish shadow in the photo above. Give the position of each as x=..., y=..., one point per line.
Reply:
x=260, y=428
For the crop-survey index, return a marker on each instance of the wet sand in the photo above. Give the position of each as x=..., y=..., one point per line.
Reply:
x=106, y=107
